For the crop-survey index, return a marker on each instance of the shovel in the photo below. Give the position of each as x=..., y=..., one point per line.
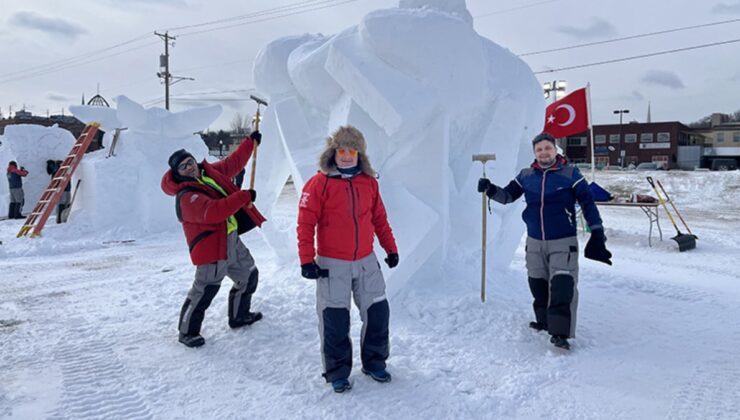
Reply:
x=685, y=242
x=675, y=209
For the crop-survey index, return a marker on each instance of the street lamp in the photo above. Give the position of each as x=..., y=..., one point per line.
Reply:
x=552, y=88
x=620, y=158
x=221, y=148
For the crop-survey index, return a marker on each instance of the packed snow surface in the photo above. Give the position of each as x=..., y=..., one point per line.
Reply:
x=88, y=329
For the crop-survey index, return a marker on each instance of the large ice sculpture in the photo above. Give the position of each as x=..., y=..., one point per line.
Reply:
x=428, y=92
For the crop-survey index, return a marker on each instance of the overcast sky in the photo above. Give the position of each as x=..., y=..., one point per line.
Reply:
x=684, y=86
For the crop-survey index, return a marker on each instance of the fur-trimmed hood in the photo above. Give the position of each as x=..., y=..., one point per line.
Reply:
x=349, y=137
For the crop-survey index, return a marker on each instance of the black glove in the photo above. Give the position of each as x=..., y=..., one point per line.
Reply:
x=392, y=260
x=596, y=247
x=23, y=168
x=256, y=136
x=310, y=270
x=483, y=185
x=253, y=193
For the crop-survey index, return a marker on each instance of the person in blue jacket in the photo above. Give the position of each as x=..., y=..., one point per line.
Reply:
x=551, y=188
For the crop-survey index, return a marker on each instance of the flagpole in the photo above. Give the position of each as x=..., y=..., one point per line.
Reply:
x=591, y=130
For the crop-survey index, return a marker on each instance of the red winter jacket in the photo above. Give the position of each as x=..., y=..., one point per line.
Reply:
x=348, y=212
x=203, y=211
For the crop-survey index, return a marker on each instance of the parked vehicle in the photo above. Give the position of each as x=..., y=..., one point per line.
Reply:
x=724, y=165
x=649, y=166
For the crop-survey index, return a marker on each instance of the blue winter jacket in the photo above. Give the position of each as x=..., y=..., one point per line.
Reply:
x=551, y=196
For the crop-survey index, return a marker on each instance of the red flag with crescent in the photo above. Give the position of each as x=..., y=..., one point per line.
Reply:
x=567, y=116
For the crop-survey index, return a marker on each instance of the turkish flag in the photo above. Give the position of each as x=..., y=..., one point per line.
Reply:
x=567, y=116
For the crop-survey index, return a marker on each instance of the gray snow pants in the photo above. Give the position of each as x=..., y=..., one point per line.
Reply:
x=363, y=280
x=240, y=267
x=16, y=196
x=552, y=268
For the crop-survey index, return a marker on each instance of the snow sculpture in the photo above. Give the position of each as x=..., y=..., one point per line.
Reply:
x=122, y=194
x=31, y=146
x=428, y=92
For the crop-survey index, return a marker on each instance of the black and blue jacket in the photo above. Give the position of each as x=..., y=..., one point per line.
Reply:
x=551, y=195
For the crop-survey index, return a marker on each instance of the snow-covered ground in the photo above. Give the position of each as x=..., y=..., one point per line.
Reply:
x=88, y=330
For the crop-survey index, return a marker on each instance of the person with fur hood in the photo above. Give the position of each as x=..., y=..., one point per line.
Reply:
x=342, y=209
x=213, y=213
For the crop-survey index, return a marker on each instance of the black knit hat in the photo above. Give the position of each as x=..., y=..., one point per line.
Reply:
x=177, y=158
x=543, y=136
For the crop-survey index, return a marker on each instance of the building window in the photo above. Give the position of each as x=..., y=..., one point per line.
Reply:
x=600, y=139
x=664, y=137
x=602, y=161
x=736, y=137
x=630, y=138
x=613, y=138
x=720, y=137
x=646, y=138
x=576, y=141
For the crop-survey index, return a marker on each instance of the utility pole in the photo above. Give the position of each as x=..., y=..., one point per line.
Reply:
x=621, y=152
x=164, y=65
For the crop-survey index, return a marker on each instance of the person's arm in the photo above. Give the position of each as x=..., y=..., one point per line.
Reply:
x=380, y=222
x=237, y=160
x=198, y=207
x=309, y=213
x=506, y=195
x=586, y=201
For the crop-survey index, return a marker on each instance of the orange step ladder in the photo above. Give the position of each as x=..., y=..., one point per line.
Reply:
x=50, y=198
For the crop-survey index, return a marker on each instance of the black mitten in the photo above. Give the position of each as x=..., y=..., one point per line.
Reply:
x=596, y=247
x=256, y=136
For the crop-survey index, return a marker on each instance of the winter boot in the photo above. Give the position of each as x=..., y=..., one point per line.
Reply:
x=380, y=375
x=341, y=385
x=537, y=326
x=11, y=211
x=560, y=341
x=249, y=319
x=192, y=340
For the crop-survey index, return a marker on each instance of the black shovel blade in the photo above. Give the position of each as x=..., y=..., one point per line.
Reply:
x=685, y=242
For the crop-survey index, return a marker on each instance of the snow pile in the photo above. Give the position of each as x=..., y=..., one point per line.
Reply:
x=31, y=146
x=427, y=92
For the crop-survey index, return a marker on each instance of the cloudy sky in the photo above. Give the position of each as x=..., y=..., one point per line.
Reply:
x=51, y=52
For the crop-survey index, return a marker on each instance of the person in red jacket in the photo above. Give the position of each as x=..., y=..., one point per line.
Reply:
x=15, y=184
x=213, y=213
x=341, y=207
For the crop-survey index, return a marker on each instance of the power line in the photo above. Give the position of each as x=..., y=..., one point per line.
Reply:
x=73, y=64
x=246, y=16
x=513, y=9
x=74, y=58
x=608, y=41
x=333, y=3
x=637, y=57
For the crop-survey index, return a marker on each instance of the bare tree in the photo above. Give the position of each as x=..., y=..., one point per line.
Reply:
x=240, y=123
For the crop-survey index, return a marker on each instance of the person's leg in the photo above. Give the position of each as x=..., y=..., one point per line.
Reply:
x=243, y=271
x=538, y=274
x=207, y=282
x=563, y=263
x=333, y=300
x=368, y=287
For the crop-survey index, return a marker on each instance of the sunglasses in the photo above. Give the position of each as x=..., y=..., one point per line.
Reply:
x=186, y=165
x=347, y=152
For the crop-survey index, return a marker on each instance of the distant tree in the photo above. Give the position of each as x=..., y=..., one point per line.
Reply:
x=240, y=123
